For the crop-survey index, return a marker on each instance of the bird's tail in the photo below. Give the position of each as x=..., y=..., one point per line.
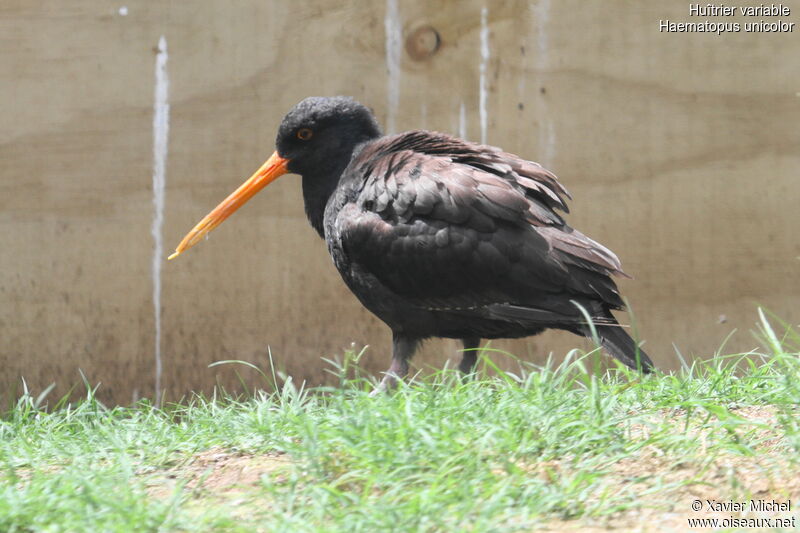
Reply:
x=618, y=343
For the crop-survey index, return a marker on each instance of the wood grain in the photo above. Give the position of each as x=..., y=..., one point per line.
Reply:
x=682, y=152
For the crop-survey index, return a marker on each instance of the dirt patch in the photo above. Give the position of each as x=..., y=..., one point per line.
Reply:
x=221, y=472
x=666, y=489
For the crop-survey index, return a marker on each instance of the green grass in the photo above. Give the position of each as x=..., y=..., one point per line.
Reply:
x=503, y=452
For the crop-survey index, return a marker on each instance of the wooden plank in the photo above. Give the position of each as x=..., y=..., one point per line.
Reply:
x=682, y=152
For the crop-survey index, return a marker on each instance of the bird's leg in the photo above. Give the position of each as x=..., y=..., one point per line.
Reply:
x=469, y=356
x=402, y=349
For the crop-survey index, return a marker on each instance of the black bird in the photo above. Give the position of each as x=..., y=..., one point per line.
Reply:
x=441, y=237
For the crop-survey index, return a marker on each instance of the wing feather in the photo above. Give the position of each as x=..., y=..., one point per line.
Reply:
x=446, y=223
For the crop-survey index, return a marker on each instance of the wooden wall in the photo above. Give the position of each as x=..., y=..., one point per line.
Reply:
x=682, y=152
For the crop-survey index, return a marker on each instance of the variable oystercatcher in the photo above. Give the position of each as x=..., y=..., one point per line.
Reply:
x=440, y=237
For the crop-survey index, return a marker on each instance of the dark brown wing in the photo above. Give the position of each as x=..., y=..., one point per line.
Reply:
x=449, y=224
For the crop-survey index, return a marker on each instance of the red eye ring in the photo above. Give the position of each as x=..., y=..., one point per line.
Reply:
x=304, y=134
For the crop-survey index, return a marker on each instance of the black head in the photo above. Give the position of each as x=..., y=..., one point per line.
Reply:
x=318, y=135
x=316, y=140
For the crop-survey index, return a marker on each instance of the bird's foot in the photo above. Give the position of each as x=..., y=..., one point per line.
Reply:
x=387, y=384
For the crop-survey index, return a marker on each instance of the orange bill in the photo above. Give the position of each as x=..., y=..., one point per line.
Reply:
x=274, y=167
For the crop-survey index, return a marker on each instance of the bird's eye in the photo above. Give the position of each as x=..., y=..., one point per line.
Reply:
x=304, y=134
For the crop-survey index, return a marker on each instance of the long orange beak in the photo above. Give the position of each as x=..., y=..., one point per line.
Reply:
x=273, y=168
